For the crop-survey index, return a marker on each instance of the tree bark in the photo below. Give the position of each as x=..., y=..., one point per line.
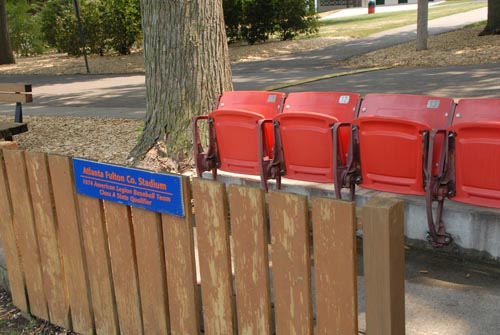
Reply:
x=422, y=24
x=493, y=24
x=6, y=55
x=187, y=68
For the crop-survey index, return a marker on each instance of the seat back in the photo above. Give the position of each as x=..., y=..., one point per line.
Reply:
x=306, y=132
x=236, y=126
x=477, y=151
x=263, y=102
x=392, y=139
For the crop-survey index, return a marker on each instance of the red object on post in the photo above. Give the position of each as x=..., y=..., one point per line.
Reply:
x=371, y=7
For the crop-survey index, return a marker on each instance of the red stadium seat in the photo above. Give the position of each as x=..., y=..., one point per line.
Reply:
x=401, y=139
x=476, y=137
x=240, y=134
x=307, y=146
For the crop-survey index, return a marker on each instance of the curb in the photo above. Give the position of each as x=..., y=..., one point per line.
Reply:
x=323, y=77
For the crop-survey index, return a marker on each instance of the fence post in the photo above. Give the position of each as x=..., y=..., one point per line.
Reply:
x=383, y=253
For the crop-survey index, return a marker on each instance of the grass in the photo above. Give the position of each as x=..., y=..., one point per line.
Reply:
x=365, y=25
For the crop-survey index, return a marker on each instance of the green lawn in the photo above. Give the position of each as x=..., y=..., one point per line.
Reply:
x=364, y=25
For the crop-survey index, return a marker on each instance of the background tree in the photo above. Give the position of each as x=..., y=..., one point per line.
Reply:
x=233, y=16
x=24, y=27
x=107, y=25
x=422, y=24
x=187, y=67
x=258, y=20
x=121, y=21
x=493, y=24
x=294, y=17
x=6, y=55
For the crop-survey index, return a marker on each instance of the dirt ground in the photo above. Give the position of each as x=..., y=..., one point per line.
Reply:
x=456, y=48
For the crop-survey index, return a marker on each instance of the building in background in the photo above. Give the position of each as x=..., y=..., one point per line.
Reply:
x=326, y=5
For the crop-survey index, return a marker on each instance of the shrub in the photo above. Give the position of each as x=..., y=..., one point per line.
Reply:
x=294, y=17
x=258, y=22
x=107, y=25
x=24, y=29
x=122, y=23
x=233, y=17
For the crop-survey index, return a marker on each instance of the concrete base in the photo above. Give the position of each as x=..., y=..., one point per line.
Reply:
x=475, y=230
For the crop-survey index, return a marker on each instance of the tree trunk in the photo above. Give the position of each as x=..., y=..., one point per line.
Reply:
x=493, y=24
x=422, y=20
x=6, y=55
x=187, y=68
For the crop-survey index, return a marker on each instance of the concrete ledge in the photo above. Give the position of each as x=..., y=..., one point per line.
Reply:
x=475, y=230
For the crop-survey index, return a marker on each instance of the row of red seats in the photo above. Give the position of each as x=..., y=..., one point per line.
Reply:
x=406, y=144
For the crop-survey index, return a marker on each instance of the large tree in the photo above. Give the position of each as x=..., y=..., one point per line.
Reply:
x=187, y=67
x=493, y=25
x=6, y=55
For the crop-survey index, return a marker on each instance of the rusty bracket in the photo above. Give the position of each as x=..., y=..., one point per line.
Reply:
x=205, y=160
x=270, y=168
x=345, y=176
x=437, y=189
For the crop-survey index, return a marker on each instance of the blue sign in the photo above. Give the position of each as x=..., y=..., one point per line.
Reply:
x=157, y=192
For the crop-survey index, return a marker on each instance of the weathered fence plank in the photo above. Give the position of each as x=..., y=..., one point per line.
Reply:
x=24, y=226
x=123, y=263
x=95, y=240
x=15, y=272
x=291, y=263
x=151, y=269
x=251, y=261
x=71, y=243
x=383, y=252
x=334, y=236
x=132, y=271
x=210, y=206
x=46, y=226
x=181, y=269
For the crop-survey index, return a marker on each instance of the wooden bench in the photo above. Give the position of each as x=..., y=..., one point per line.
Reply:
x=17, y=93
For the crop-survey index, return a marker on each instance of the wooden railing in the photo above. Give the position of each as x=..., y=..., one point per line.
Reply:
x=97, y=266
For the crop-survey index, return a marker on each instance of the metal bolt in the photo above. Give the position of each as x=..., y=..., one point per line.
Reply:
x=287, y=106
x=363, y=109
x=222, y=104
x=445, y=114
x=458, y=115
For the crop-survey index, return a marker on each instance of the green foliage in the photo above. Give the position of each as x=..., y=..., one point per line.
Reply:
x=60, y=26
x=233, y=16
x=107, y=25
x=256, y=20
x=122, y=23
x=24, y=31
x=294, y=17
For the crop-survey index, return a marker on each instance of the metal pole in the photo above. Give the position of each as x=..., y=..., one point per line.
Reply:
x=82, y=37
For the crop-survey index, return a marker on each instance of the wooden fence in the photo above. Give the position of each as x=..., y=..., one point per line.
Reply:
x=101, y=267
